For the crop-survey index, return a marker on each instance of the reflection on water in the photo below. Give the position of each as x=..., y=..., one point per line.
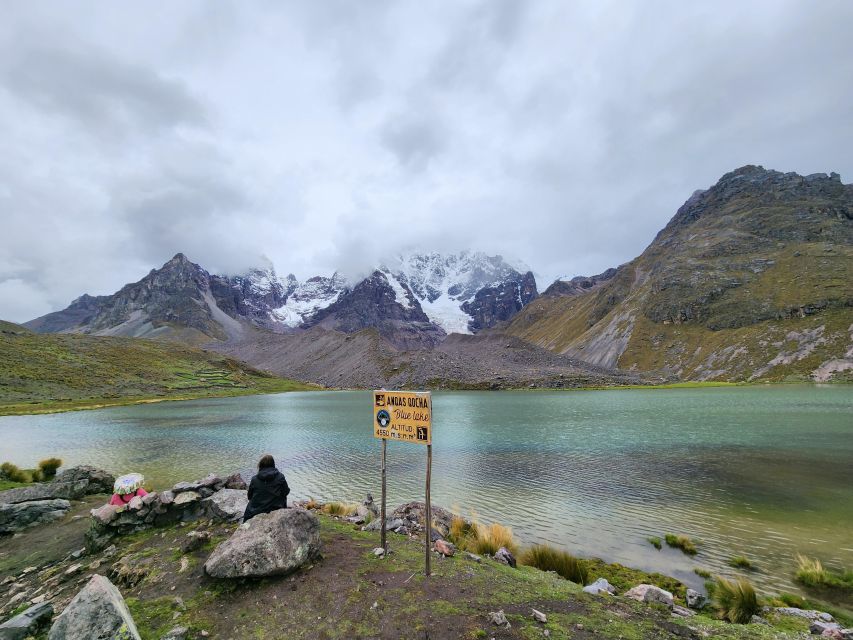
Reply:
x=760, y=472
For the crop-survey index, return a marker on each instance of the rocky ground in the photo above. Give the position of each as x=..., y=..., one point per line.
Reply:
x=364, y=360
x=346, y=592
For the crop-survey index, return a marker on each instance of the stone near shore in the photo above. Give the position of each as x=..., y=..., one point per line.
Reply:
x=504, y=556
x=269, y=544
x=649, y=593
x=71, y=484
x=600, y=586
x=808, y=614
x=445, y=548
x=27, y=623
x=226, y=504
x=695, y=600
x=98, y=611
x=19, y=516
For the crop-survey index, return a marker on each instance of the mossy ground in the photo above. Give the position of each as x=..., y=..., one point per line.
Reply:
x=349, y=593
x=50, y=373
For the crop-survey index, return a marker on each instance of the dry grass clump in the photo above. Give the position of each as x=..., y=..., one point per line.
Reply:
x=48, y=467
x=341, y=509
x=492, y=537
x=681, y=542
x=736, y=601
x=547, y=558
x=479, y=538
x=811, y=573
x=312, y=504
x=9, y=471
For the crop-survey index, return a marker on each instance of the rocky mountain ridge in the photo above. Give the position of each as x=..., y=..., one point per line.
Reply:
x=465, y=292
x=752, y=278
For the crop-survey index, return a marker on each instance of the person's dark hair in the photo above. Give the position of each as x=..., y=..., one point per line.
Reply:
x=266, y=462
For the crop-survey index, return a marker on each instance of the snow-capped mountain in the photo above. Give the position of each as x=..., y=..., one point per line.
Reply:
x=414, y=303
x=448, y=286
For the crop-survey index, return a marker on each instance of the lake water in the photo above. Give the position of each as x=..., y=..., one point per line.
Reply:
x=764, y=472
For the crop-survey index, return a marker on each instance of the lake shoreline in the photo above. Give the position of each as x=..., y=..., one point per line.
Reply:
x=46, y=408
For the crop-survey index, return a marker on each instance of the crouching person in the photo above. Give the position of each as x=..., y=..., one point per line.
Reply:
x=267, y=491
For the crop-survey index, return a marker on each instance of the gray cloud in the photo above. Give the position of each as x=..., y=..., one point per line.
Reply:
x=330, y=135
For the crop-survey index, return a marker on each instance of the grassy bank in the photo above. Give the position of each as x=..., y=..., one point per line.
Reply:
x=58, y=372
x=350, y=593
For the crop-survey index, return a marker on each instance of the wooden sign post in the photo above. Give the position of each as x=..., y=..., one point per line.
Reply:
x=405, y=416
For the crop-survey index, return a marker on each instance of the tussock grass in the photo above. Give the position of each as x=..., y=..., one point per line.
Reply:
x=811, y=573
x=48, y=467
x=736, y=600
x=547, y=558
x=11, y=472
x=312, y=504
x=655, y=542
x=740, y=562
x=490, y=538
x=681, y=542
x=341, y=509
x=480, y=538
x=702, y=573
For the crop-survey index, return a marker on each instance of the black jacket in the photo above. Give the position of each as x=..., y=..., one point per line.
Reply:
x=267, y=492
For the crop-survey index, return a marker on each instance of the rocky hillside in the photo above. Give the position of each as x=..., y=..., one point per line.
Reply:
x=752, y=278
x=59, y=372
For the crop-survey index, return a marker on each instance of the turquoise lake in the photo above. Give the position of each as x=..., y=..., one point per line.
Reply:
x=764, y=472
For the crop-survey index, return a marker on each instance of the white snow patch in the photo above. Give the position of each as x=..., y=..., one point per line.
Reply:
x=399, y=292
x=447, y=314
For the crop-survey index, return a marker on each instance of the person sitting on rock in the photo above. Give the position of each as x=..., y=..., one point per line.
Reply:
x=267, y=491
x=126, y=488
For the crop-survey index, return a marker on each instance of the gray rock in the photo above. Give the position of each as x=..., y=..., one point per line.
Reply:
x=226, y=504
x=413, y=513
x=695, y=600
x=186, y=497
x=106, y=513
x=498, y=618
x=539, y=616
x=391, y=524
x=473, y=556
x=97, y=611
x=269, y=544
x=195, y=540
x=72, y=484
x=19, y=516
x=504, y=556
x=178, y=633
x=650, y=593
x=758, y=620
x=819, y=627
x=27, y=623
x=235, y=481
x=682, y=612
x=808, y=614
x=600, y=586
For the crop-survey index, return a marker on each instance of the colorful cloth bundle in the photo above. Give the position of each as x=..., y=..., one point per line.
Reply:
x=129, y=483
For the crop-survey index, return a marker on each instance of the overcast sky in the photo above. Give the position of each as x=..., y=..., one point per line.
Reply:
x=328, y=135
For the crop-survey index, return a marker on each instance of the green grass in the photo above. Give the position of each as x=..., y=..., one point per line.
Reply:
x=61, y=372
x=547, y=558
x=702, y=573
x=655, y=542
x=812, y=574
x=736, y=600
x=681, y=542
x=740, y=562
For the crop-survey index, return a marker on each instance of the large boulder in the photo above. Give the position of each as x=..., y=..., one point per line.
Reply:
x=269, y=544
x=16, y=517
x=651, y=594
x=226, y=504
x=413, y=514
x=72, y=484
x=27, y=623
x=600, y=586
x=98, y=612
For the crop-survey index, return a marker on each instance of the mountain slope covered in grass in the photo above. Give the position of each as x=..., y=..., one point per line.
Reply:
x=751, y=279
x=54, y=372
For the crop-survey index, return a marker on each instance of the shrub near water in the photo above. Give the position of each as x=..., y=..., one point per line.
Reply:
x=11, y=472
x=737, y=601
x=681, y=542
x=811, y=573
x=490, y=538
x=339, y=508
x=547, y=558
x=740, y=562
x=49, y=466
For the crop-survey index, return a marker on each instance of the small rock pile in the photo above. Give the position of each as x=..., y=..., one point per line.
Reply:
x=213, y=497
x=44, y=502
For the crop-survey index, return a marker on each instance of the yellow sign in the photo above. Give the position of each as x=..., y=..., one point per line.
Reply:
x=403, y=415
